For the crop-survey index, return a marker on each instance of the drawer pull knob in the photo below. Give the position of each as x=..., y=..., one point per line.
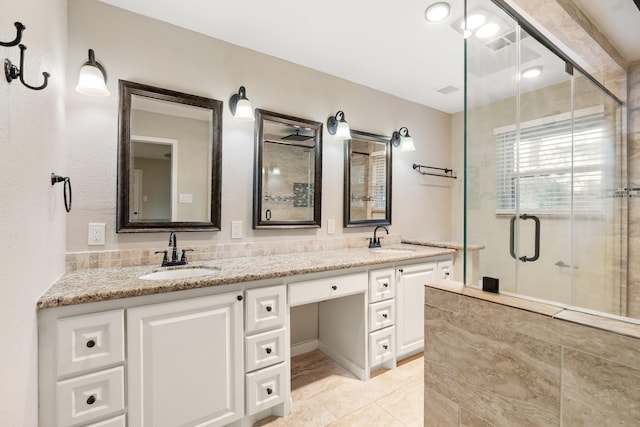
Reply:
x=91, y=344
x=268, y=350
x=386, y=285
x=269, y=391
x=400, y=270
x=269, y=308
x=385, y=315
x=239, y=297
x=334, y=287
x=91, y=400
x=386, y=347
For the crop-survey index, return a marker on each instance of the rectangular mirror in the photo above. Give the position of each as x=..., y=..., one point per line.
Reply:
x=288, y=172
x=169, y=160
x=367, y=180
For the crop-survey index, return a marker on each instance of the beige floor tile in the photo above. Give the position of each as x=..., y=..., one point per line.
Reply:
x=369, y=416
x=406, y=405
x=326, y=394
x=308, y=413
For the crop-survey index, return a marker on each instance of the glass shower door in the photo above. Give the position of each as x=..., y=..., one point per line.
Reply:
x=545, y=161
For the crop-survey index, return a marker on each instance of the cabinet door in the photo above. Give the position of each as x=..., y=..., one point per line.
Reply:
x=185, y=362
x=410, y=307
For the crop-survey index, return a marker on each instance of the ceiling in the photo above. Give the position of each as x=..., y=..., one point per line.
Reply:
x=385, y=45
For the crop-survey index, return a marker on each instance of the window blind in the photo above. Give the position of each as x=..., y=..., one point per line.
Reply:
x=378, y=182
x=553, y=157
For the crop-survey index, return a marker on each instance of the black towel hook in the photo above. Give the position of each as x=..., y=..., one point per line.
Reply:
x=67, y=189
x=15, y=41
x=12, y=72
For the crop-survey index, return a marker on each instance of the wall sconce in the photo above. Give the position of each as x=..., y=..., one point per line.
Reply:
x=241, y=107
x=338, y=126
x=402, y=139
x=93, y=78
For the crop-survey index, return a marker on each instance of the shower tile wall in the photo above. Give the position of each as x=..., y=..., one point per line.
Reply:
x=507, y=362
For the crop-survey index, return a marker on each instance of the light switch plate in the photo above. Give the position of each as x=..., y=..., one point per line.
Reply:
x=236, y=229
x=96, y=234
x=185, y=198
x=331, y=226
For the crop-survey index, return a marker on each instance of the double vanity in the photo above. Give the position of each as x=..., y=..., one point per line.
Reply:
x=145, y=346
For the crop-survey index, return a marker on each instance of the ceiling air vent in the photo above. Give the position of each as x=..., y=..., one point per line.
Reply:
x=449, y=89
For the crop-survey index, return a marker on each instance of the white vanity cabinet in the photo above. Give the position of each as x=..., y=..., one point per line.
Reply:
x=382, y=309
x=88, y=372
x=411, y=280
x=185, y=362
x=267, y=350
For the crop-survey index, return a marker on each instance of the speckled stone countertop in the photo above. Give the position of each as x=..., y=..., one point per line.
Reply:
x=449, y=245
x=80, y=287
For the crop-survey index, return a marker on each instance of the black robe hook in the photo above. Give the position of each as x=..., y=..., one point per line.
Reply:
x=12, y=72
x=15, y=41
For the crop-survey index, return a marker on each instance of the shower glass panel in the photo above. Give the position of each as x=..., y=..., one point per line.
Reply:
x=543, y=160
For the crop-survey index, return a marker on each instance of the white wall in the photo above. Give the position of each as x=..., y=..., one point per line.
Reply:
x=139, y=49
x=32, y=217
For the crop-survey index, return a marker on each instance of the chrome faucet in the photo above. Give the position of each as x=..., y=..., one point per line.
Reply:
x=375, y=241
x=173, y=244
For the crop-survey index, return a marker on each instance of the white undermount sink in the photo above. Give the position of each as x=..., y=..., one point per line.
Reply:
x=393, y=251
x=180, y=273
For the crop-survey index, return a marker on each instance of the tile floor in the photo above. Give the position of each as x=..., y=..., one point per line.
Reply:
x=325, y=394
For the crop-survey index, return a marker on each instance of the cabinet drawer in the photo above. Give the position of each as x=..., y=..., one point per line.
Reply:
x=382, y=314
x=266, y=308
x=382, y=284
x=327, y=288
x=265, y=388
x=111, y=422
x=265, y=349
x=381, y=345
x=83, y=399
x=90, y=341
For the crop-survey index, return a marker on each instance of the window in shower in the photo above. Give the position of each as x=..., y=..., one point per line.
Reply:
x=560, y=163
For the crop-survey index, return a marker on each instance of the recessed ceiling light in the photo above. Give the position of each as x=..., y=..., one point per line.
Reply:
x=437, y=12
x=473, y=22
x=488, y=30
x=532, y=73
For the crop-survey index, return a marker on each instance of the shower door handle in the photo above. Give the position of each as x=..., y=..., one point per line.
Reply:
x=513, y=235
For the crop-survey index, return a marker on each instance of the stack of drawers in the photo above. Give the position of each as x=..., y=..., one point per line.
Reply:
x=266, y=348
x=382, y=290
x=90, y=372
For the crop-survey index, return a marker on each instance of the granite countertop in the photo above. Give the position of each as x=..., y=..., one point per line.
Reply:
x=449, y=245
x=104, y=284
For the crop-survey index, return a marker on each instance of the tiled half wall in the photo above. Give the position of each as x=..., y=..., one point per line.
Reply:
x=495, y=360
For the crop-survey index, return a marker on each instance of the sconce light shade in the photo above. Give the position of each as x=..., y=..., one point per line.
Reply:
x=338, y=126
x=241, y=107
x=402, y=139
x=92, y=79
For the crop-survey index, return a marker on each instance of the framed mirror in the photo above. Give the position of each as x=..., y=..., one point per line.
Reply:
x=169, y=160
x=367, y=180
x=288, y=172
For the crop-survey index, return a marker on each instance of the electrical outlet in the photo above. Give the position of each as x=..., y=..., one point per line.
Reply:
x=331, y=226
x=96, y=234
x=236, y=229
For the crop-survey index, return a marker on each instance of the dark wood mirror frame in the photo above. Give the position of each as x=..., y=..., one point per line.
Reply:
x=258, y=222
x=380, y=139
x=123, y=224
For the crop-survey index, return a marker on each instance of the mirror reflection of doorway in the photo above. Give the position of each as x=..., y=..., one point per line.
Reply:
x=153, y=192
